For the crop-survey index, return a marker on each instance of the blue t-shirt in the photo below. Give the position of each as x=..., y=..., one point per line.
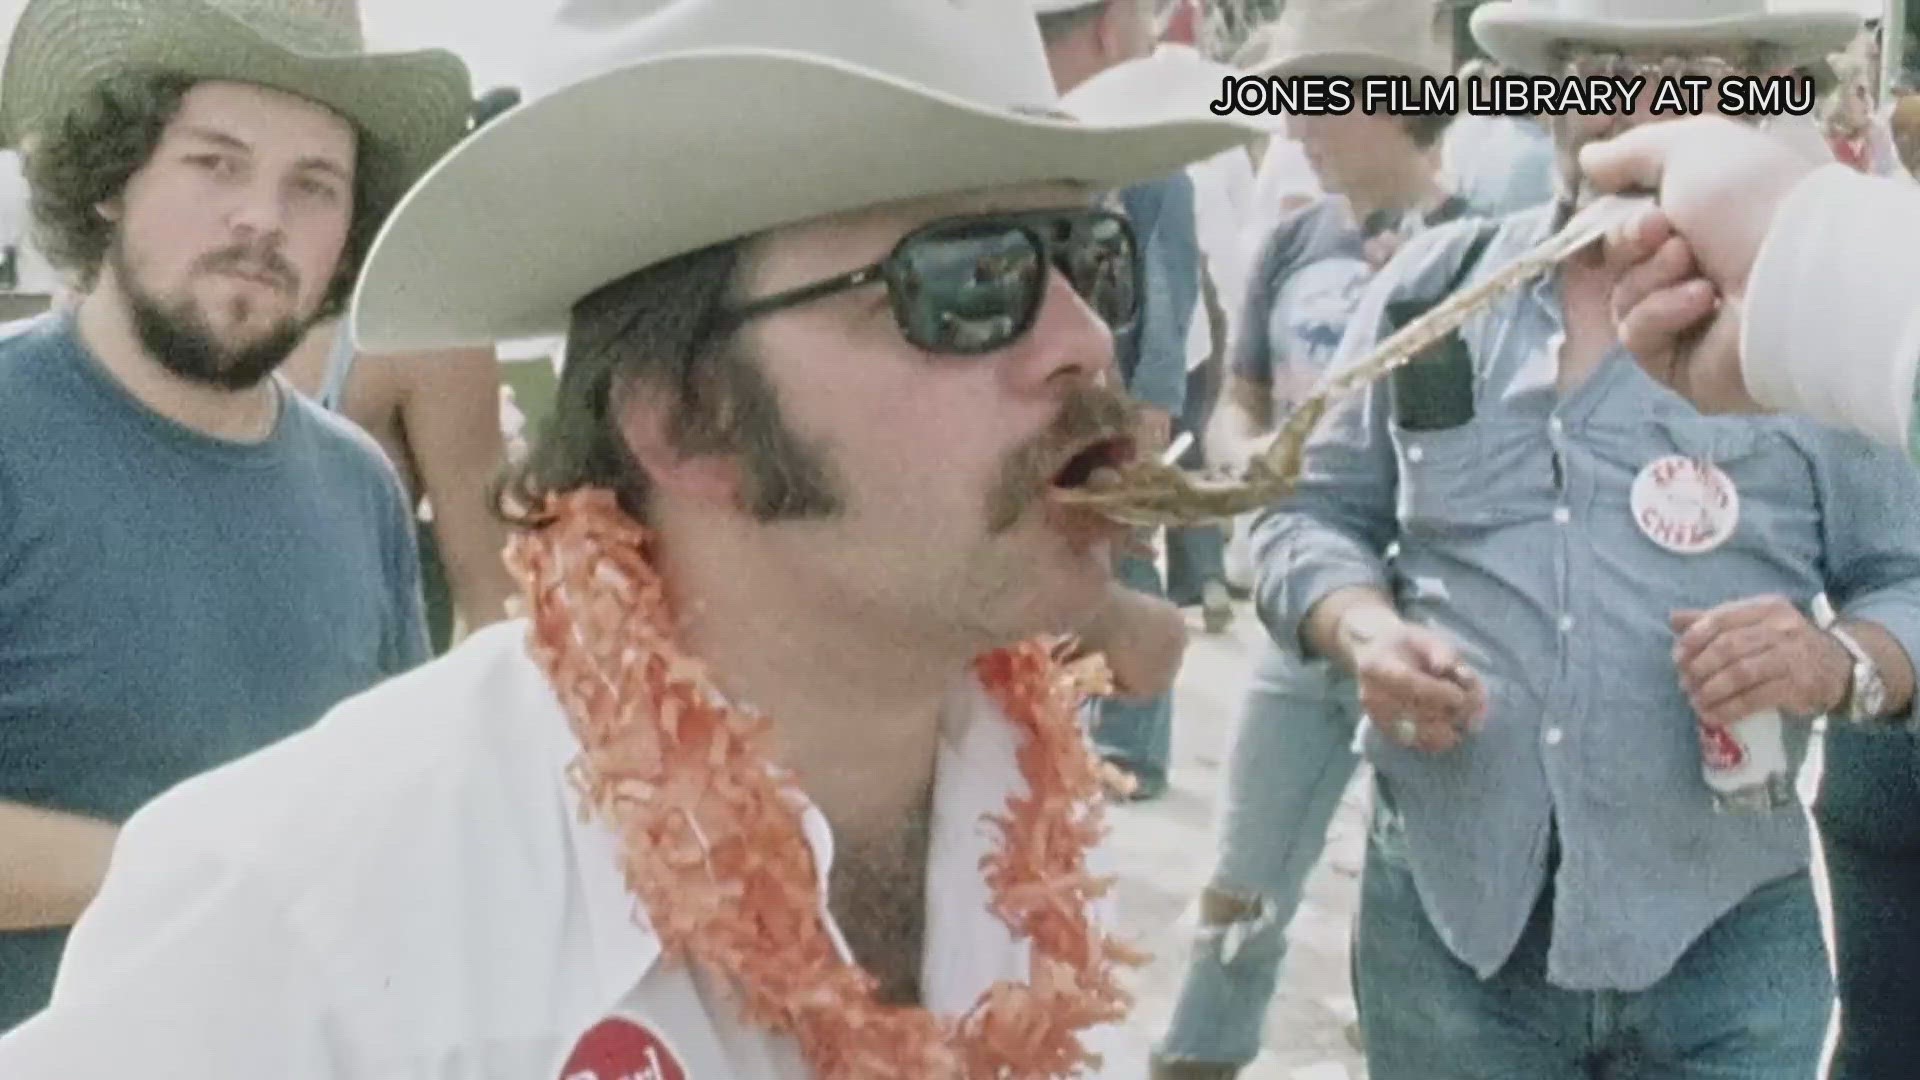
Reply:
x=169, y=601
x=1306, y=284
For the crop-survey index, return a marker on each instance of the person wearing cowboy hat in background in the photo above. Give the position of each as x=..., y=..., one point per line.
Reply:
x=1291, y=757
x=1763, y=282
x=779, y=777
x=1083, y=39
x=1500, y=163
x=194, y=562
x=1213, y=259
x=1222, y=191
x=1550, y=890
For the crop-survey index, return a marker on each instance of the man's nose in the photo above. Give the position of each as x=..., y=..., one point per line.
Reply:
x=259, y=213
x=1069, y=339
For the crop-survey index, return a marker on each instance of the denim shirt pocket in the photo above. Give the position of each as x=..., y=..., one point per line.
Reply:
x=1458, y=483
x=1438, y=479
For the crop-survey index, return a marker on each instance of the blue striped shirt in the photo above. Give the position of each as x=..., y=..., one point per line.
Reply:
x=1515, y=536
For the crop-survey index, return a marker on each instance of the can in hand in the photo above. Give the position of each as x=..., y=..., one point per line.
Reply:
x=1745, y=763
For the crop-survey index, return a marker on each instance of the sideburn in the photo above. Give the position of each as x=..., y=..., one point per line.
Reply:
x=783, y=475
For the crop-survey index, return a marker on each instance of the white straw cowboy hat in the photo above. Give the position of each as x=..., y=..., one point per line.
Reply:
x=1056, y=7
x=1174, y=81
x=1525, y=34
x=1356, y=37
x=410, y=107
x=701, y=121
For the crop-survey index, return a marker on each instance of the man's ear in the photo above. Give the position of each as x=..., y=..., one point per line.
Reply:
x=645, y=422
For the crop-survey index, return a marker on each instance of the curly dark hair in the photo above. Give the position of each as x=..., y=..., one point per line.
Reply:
x=87, y=155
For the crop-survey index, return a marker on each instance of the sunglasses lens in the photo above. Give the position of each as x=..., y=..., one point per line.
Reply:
x=1097, y=256
x=974, y=286
x=969, y=288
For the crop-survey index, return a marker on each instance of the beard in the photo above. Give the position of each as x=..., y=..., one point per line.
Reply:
x=180, y=337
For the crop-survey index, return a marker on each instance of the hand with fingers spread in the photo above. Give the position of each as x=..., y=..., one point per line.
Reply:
x=1414, y=684
x=1756, y=654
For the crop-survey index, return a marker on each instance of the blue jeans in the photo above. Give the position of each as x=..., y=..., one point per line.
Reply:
x=1749, y=1001
x=1138, y=736
x=1291, y=761
x=1869, y=814
x=1195, y=555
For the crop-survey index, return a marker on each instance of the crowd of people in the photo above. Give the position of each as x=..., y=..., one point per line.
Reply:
x=756, y=716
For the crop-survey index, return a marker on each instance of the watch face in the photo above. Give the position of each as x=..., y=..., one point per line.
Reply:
x=1873, y=695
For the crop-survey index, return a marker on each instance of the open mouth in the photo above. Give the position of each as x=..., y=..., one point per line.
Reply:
x=1113, y=452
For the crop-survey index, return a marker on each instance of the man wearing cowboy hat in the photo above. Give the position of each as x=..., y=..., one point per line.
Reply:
x=780, y=777
x=195, y=563
x=1291, y=759
x=1599, y=594
x=1813, y=257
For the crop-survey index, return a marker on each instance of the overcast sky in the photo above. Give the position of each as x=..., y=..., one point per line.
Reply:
x=495, y=36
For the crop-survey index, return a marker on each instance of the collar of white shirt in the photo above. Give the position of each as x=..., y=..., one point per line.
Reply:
x=967, y=947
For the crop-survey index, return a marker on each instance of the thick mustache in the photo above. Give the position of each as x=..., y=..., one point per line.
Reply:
x=1088, y=415
x=265, y=264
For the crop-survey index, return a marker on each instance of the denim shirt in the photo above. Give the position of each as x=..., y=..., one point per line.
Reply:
x=1153, y=355
x=1516, y=538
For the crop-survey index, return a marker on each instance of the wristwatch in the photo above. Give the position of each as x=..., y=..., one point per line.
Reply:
x=1866, y=700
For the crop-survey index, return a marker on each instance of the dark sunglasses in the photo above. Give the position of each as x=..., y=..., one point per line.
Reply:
x=967, y=285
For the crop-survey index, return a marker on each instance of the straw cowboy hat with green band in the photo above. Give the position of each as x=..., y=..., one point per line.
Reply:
x=410, y=107
x=1357, y=38
x=693, y=122
x=1526, y=34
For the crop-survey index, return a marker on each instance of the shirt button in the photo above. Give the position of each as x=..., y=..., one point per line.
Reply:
x=1554, y=425
x=1562, y=515
x=1415, y=454
x=1566, y=624
x=1555, y=736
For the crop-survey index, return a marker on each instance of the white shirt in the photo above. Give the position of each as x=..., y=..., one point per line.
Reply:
x=1222, y=207
x=1283, y=172
x=1831, y=327
x=405, y=890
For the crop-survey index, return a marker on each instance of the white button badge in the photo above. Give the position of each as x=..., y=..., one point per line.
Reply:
x=1685, y=505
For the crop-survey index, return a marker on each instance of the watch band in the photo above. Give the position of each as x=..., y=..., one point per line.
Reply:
x=1866, y=699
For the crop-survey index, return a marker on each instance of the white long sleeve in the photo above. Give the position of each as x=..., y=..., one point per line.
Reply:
x=1832, y=321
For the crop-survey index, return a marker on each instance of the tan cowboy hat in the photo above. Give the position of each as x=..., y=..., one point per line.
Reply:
x=410, y=107
x=1356, y=37
x=1173, y=81
x=1524, y=34
x=701, y=121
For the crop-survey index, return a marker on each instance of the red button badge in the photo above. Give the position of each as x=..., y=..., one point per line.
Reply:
x=618, y=1049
